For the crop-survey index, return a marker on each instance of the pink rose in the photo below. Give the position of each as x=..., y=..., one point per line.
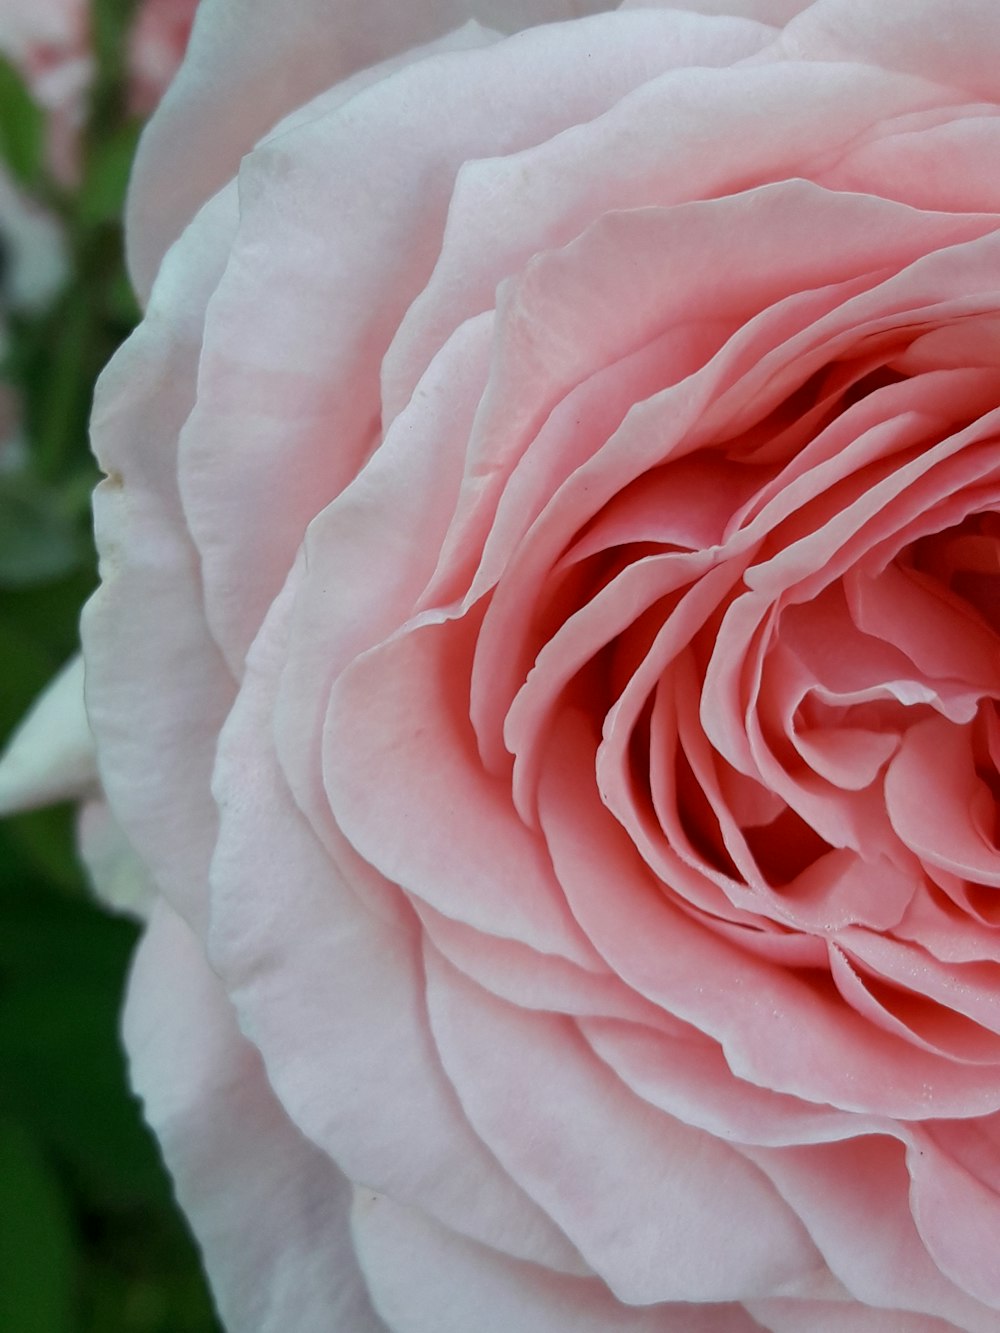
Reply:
x=157, y=43
x=547, y=659
x=49, y=44
x=49, y=41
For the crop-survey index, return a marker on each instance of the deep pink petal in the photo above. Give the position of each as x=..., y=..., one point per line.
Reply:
x=667, y=956
x=431, y=791
x=956, y=1205
x=854, y=1199
x=930, y=791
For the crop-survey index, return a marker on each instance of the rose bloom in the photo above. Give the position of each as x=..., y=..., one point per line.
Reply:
x=157, y=41
x=49, y=41
x=49, y=44
x=547, y=662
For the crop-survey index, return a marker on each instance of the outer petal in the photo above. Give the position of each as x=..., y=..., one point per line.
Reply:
x=635, y=1189
x=954, y=43
x=828, y=1317
x=425, y=1279
x=51, y=755
x=348, y=1045
x=118, y=877
x=158, y=690
x=336, y=249
x=776, y=12
x=251, y=62
x=714, y=137
x=270, y=1210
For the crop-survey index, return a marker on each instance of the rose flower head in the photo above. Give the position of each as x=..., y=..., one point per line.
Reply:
x=49, y=42
x=548, y=658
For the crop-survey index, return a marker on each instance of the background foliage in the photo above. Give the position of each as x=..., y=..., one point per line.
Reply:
x=90, y=1241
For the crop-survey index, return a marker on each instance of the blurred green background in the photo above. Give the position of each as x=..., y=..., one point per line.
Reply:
x=90, y=1240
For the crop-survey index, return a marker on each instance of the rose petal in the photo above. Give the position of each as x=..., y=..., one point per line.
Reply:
x=269, y=1209
x=694, y=973
x=777, y=12
x=686, y=1075
x=118, y=877
x=424, y=1279
x=930, y=166
x=494, y=229
x=50, y=757
x=355, y=1018
x=715, y=134
x=950, y=44
x=670, y=424
x=854, y=1199
x=956, y=1205
x=532, y=980
x=157, y=689
x=820, y=1317
x=358, y=575
x=929, y=789
x=246, y=69
x=292, y=402
x=432, y=790
x=573, y=1135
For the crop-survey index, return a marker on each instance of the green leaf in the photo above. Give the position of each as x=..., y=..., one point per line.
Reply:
x=59, y=363
x=22, y=127
x=110, y=23
x=102, y=194
x=38, y=540
x=47, y=614
x=28, y=665
x=64, y=1074
x=36, y=1239
x=43, y=841
x=47, y=940
x=121, y=304
x=154, y=1284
